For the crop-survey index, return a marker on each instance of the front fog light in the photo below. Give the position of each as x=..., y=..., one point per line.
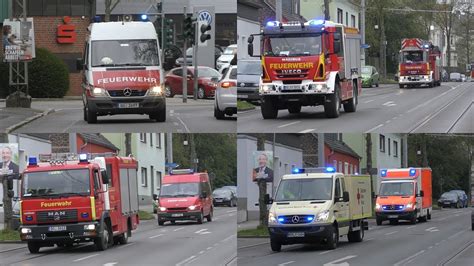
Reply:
x=25, y=230
x=192, y=207
x=155, y=91
x=90, y=227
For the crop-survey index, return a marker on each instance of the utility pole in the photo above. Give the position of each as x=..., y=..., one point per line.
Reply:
x=195, y=60
x=326, y=10
x=279, y=10
x=194, y=159
x=362, y=30
x=185, y=64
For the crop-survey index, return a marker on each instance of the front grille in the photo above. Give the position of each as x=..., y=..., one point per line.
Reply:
x=56, y=215
x=121, y=93
x=392, y=207
x=177, y=209
x=292, y=81
x=295, y=219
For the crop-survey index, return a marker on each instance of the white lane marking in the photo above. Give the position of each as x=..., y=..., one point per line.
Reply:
x=335, y=262
x=208, y=248
x=202, y=252
x=369, y=101
x=289, y=124
x=127, y=245
x=410, y=227
x=325, y=252
x=185, y=127
x=432, y=229
x=391, y=233
x=205, y=233
x=229, y=238
x=199, y=231
x=389, y=103
x=231, y=211
x=372, y=129
x=171, y=111
x=110, y=263
x=455, y=235
x=87, y=257
x=307, y=130
x=286, y=263
x=370, y=239
x=185, y=261
x=151, y=237
x=163, y=230
x=177, y=229
x=402, y=262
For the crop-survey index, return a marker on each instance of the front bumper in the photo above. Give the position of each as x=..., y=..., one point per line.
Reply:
x=222, y=202
x=415, y=80
x=226, y=100
x=306, y=87
x=248, y=94
x=73, y=233
x=396, y=215
x=312, y=233
x=446, y=203
x=111, y=105
x=178, y=216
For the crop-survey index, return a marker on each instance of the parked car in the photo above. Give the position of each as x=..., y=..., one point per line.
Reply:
x=449, y=199
x=224, y=196
x=455, y=77
x=189, y=58
x=233, y=188
x=225, y=101
x=249, y=72
x=207, y=81
x=462, y=197
x=223, y=62
x=370, y=76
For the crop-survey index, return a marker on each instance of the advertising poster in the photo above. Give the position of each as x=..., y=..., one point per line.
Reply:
x=18, y=40
x=263, y=164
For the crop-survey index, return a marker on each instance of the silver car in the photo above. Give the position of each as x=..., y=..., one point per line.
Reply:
x=225, y=100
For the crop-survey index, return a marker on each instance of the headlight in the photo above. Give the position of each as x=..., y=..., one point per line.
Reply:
x=99, y=92
x=162, y=209
x=192, y=207
x=25, y=230
x=409, y=206
x=377, y=206
x=322, y=216
x=90, y=227
x=265, y=87
x=272, y=218
x=212, y=84
x=155, y=91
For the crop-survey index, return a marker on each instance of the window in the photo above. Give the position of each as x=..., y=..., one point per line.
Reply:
x=389, y=148
x=57, y=7
x=143, y=137
x=49, y=7
x=337, y=189
x=395, y=148
x=353, y=21
x=144, y=177
x=346, y=168
x=158, y=140
x=347, y=19
x=334, y=164
x=340, y=167
x=382, y=143
x=339, y=16
x=158, y=180
x=151, y=139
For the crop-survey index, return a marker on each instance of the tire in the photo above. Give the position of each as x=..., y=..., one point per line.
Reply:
x=379, y=221
x=431, y=85
x=218, y=114
x=33, y=247
x=332, y=103
x=160, y=115
x=294, y=108
x=200, y=219
x=91, y=116
x=123, y=239
x=201, y=93
x=428, y=215
x=351, y=106
x=413, y=219
x=377, y=85
x=356, y=236
x=102, y=242
x=400, y=86
x=472, y=226
x=275, y=245
x=168, y=91
x=334, y=240
x=209, y=216
x=84, y=114
x=269, y=108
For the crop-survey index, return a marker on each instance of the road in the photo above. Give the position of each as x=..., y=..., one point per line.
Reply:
x=447, y=239
x=444, y=109
x=185, y=243
x=195, y=116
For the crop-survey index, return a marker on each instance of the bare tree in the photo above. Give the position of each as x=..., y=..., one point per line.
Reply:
x=109, y=7
x=326, y=10
x=445, y=20
x=368, y=154
x=128, y=144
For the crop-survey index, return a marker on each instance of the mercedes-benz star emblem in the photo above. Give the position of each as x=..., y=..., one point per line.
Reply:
x=127, y=92
x=242, y=84
x=295, y=219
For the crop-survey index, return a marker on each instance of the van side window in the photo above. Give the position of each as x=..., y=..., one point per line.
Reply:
x=343, y=184
x=337, y=191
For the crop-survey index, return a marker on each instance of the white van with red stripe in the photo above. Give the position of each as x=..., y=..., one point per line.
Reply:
x=122, y=71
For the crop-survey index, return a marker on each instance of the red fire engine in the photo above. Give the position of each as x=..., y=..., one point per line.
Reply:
x=66, y=201
x=309, y=64
x=419, y=63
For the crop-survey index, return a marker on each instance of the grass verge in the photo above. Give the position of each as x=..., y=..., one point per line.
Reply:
x=260, y=231
x=7, y=234
x=143, y=215
x=243, y=106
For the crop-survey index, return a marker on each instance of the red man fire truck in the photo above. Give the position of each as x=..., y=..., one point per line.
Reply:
x=66, y=201
x=419, y=63
x=309, y=64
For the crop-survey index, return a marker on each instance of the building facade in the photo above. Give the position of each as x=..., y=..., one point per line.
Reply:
x=248, y=23
x=346, y=12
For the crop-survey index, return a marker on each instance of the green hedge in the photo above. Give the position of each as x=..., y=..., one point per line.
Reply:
x=48, y=76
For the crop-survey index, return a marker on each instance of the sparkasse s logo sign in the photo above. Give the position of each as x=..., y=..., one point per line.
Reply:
x=66, y=33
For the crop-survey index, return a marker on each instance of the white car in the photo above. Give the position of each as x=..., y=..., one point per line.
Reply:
x=223, y=62
x=225, y=100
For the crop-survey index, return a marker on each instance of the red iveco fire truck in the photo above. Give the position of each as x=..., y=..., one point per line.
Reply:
x=419, y=64
x=309, y=64
x=66, y=201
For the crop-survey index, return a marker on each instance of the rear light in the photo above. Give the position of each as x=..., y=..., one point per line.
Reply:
x=228, y=84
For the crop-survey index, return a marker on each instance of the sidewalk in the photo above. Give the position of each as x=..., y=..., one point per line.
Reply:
x=248, y=225
x=12, y=118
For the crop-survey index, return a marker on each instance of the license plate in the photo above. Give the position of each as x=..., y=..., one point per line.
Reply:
x=57, y=228
x=218, y=200
x=129, y=105
x=295, y=234
x=242, y=96
x=393, y=216
x=292, y=87
x=177, y=215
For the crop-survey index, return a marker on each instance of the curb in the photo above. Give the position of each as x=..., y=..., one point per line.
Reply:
x=246, y=109
x=28, y=120
x=12, y=242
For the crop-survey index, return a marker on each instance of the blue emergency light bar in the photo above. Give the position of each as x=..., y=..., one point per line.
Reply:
x=328, y=169
x=383, y=172
x=181, y=171
x=412, y=171
x=298, y=170
x=315, y=22
x=32, y=161
x=83, y=158
x=273, y=24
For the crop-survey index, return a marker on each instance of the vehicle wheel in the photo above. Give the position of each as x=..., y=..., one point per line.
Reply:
x=294, y=108
x=400, y=86
x=428, y=215
x=431, y=85
x=413, y=219
x=356, y=236
x=33, y=247
x=334, y=240
x=423, y=219
x=269, y=108
x=218, y=114
x=173, y=222
x=91, y=116
x=123, y=239
x=332, y=103
x=102, y=242
x=168, y=91
x=351, y=106
x=379, y=221
x=209, y=217
x=201, y=217
x=377, y=85
x=160, y=114
x=457, y=205
x=275, y=245
x=201, y=93
x=161, y=223
x=472, y=226
x=85, y=114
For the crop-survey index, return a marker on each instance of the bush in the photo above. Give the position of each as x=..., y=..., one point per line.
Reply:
x=48, y=76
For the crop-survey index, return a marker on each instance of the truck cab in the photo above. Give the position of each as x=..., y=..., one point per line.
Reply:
x=185, y=195
x=66, y=201
x=122, y=71
x=319, y=206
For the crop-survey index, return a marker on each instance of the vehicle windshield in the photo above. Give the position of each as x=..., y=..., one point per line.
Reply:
x=448, y=195
x=397, y=189
x=249, y=68
x=125, y=53
x=230, y=50
x=304, y=189
x=208, y=73
x=222, y=192
x=56, y=183
x=292, y=45
x=413, y=57
x=366, y=70
x=179, y=190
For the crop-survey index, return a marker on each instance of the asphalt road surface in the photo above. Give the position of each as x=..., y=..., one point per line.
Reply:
x=186, y=243
x=444, y=109
x=446, y=239
x=194, y=116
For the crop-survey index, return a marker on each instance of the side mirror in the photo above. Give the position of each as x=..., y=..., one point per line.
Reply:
x=250, y=49
x=345, y=196
x=374, y=196
x=267, y=199
x=250, y=39
x=422, y=193
x=79, y=64
x=105, y=177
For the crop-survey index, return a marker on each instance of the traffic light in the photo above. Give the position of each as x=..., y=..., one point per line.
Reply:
x=204, y=32
x=168, y=32
x=188, y=29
